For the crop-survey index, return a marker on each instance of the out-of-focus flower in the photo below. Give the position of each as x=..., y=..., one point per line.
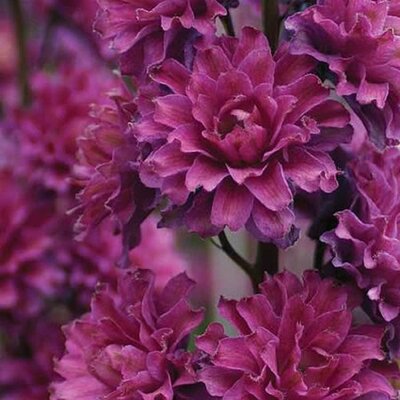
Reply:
x=109, y=156
x=366, y=242
x=242, y=130
x=158, y=252
x=132, y=343
x=26, y=357
x=359, y=42
x=27, y=276
x=295, y=341
x=146, y=32
x=69, y=16
x=94, y=259
x=48, y=145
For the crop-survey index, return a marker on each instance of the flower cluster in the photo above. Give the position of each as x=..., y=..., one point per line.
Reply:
x=282, y=129
x=46, y=276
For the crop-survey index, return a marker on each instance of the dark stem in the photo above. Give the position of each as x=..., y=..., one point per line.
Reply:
x=228, y=24
x=271, y=22
x=319, y=255
x=233, y=255
x=267, y=260
x=20, y=33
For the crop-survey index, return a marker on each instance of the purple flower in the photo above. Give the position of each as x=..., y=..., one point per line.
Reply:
x=109, y=156
x=26, y=362
x=295, y=341
x=158, y=251
x=358, y=40
x=146, y=32
x=242, y=131
x=366, y=242
x=27, y=275
x=132, y=343
x=48, y=145
x=377, y=178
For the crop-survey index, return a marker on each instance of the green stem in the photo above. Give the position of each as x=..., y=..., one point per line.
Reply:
x=20, y=33
x=271, y=22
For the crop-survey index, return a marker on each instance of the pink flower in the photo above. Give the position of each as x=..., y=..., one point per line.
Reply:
x=359, y=42
x=158, y=252
x=94, y=259
x=132, y=344
x=73, y=17
x=295, y=341
x=27, y=275
x=366, y=242
x=243, y=130
x=109, y=156
x=377, y=178
x=48, y=145
x=146, y=32
x=26, y=362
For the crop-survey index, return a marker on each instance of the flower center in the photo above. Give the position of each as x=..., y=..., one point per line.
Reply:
x=228, y=123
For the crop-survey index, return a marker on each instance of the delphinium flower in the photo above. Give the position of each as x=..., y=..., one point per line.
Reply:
x=47, y=278
x=27, y=276
x=242, y=131
x=158, y=251
x=358, y=41
x=95, y=258
x=295, y=340
x=132, y=343
x=75, y=17
x=366, y=242
x=107, y=171
x=27, y=354
x=48, y=145
x=146, y=32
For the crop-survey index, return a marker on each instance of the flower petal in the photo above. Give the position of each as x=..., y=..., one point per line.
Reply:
x=232, y=205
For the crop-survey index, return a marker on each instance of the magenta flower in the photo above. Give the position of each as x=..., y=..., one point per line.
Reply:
x=48, y=145
x=358, y=40
x=242, y=130
x=26, y=362
x=377, y=178
x=158, y=252
x=109, y=156
x=366, y=242
x=146, y=32
x=373, y=259
x=132, y=343
x=27, y=275
x=295, y=341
